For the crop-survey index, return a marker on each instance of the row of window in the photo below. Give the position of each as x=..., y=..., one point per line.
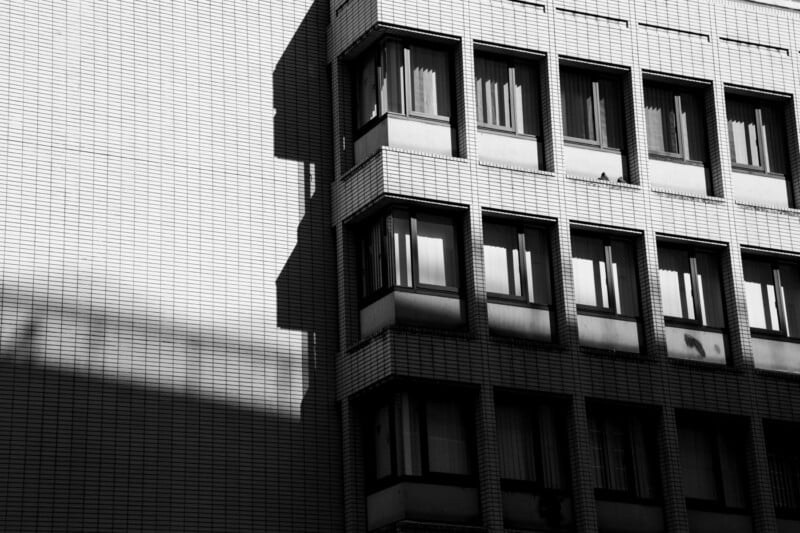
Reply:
x=398, y=78
x=416, y=252
x=429, y=439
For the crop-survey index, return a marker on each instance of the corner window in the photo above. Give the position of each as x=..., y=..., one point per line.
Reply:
x=517, y=262
x=712, y=460
x=592, y=108
x=757, y=131
x=507, y=94
x=406, y=249
x=772, y=289
x=418, y=436
x=403, y=78
x=623, y=446
x=604, y=272
x=675, y=122
x=691, y=286
x=783, y=454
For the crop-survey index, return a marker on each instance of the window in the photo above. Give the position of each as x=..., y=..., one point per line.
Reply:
x=691, y=286
x=757, y=131
x=712, y=460
x=510, y=274
x=675, y=122
x=411, y=250
x=599, y=288
x=531, y=440
x=623, y=446
x=416, y=436
x=403, y=78
x=507, y=93
x=592, y=108
x=773, y=296
x=783, y=453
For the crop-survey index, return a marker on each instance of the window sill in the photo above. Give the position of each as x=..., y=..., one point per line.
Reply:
x=609, y=182
x=696, y=197
x=773, y=336
x=508, y=132
x=677, y=159
x=768, y=207
x=591, y=145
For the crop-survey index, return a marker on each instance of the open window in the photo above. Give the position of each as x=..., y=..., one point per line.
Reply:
x=692, y=300
x=404, y=97
x=714, y=472
x=626, y=478
x=606, y=292
x=757, y=131
x=420, y=460
x=593, y=115
x=410, y=270
x=772, y=288
x=518, y=279
x=534, y=471
x=508, y=95
x=677, y=137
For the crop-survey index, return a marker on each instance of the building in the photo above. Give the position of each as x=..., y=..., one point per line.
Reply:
x=370, y=265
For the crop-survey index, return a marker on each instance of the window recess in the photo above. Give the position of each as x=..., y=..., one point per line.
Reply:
x=508, y=94
x=773, y=297
x=676, y=123
x=592, y=109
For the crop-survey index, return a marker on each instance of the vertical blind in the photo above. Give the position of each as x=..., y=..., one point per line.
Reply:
x=577, y=105
x=430, y=81
x=436, y=251
x=493, y=92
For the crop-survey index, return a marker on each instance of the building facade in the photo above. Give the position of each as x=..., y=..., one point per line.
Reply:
x=369, y=265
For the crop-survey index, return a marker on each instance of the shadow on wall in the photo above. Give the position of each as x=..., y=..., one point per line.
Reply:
x=124, y=423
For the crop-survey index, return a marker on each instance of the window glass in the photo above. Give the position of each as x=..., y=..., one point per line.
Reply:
x=577, y=110
x=783, y=453
x=775, y=137
x=662, y=126
x=372, y=259
x=515, y=441
x=694, y=122
x=448, y=450
x=367, y=91
x=392, y=77
x=436, y=251
x=430, y=81
x=710, y=287
x=697, y=462
x=610, y=107
x=537, y=263
x=624, y=274
x=552, y=445
x=408, y=444
x=502, y=261
x=401, y=237
x=589, y=271
x=526, y=97
x=790, y=284
x=493, y=92
x=382, y=438
x=609, y=444
x=759, y=284
x=742, y=131
x=676, y=283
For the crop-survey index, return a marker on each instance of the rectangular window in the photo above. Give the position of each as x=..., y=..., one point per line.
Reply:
x=403, y=78
x=757, y=131
x=507, y=94
x=712, y=460
x=772, y=289
x=419, y=436
x=691, y=286
x=592, y=108
x=613, y=290
x=531, y=442
x=411, y=250
x=623, y=446
x=783, y=454
x=510, y=273
x=675, y=122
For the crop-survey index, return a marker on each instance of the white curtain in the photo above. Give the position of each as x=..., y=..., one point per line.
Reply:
x=790, y=285
x=676, y=283
x=710, y=289
x=589, y=271
x=392, y=78
x=401, y=240
x=526, y=97
x=382, y=435
x=492, y=92
x=577, y=107
x=759, y=285
x=407, y=422
x=537, y=261
x=430, y=81
x=436, y=251
x=662, y=127
x=742, y=131
x=625, y=283
x=367, y=92
x=697, y=463
x=501, y=259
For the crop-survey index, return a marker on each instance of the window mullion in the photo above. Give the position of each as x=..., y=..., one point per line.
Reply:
x=601, y=134
x=683, y=134
x=512, y=98
x=612, y=289
x=761, y=139
x=779, y=300
x=414, y=252
x=407, y=97
x=698, y=308
x=523, y=266
x=380, y=68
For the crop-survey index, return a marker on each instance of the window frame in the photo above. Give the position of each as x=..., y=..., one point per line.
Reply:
x=388, y=254
x=697, y=322
x=376, y=50
x=524, y=299
x=678, y=91
x=623, y=414
x=420, y=396
x=780, y=299
x=598, y=75
x=512, y=62
x=607, y=240
x=757, y=105
x=718, y=430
